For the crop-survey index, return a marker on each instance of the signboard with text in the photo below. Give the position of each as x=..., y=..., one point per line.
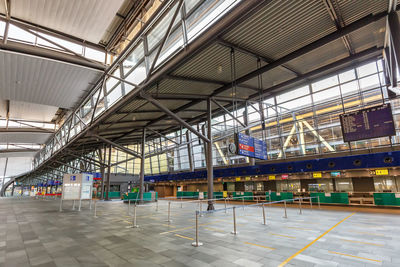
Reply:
x=251, y=147
x=368, y=123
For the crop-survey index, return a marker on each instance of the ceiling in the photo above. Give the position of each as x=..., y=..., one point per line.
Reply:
x=295, y=40
x=43, y=81
x=270, y=34
x=87, y=20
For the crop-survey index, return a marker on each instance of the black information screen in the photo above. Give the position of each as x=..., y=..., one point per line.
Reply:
x=367, y=123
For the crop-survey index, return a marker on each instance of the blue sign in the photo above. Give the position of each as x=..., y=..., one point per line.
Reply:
x=260, y=149
x=72, y=178
x=251, y=147
x=245, y=145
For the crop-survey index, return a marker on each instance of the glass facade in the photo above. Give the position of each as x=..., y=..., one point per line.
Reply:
x=299, y=122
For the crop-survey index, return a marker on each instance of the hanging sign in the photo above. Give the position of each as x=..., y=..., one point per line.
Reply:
x=271, y=177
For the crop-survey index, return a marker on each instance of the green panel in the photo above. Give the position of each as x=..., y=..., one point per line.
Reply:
x=273, y=196
x=340, y=198
x=113, y=194
x=135, y=196
x=286, y=195
x=385, y=199
x=322, y=197
x=246, y=195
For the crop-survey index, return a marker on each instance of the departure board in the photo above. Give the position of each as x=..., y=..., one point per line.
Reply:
x=251, y=147
x=368, y=123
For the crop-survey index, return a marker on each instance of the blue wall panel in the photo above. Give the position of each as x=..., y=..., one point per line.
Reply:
x=377, y=160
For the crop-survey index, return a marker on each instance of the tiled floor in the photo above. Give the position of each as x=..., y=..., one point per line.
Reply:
x=35, y=233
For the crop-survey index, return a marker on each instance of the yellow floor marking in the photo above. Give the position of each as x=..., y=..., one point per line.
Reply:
x=288, y=236
x=214, y=229
x=366, y=233
x=299, y=228
x=182, y=236
x=360, y=242
x=259, y=245
x=312, y=242
x=357, y=257
x=168, y=225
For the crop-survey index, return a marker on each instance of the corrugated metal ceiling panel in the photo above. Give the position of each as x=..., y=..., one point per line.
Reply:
x=87, y=19
x=369, y=36
x=171, y=86
x=282, y=27
x=354, y=10
x=272, y=77
x=214, y=63
x=133, y=105
x=326, y=54
x=24, y=137
x=30, y=111
x=43, y=81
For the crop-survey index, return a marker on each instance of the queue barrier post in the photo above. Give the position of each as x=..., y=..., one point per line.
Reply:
x=134, y=217
x=319, y=206
x=300, y=211
x=197, y=243
x=234, y=232
x=284, y=203
x=95, y=208
x=169, y=212
x=263, y=212
x=225, y=206
x=61, y=203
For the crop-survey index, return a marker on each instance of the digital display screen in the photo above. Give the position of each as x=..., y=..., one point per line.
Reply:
x=367, y=123
x=251, y=147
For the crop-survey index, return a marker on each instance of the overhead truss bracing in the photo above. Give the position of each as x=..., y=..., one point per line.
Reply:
x=223, y=62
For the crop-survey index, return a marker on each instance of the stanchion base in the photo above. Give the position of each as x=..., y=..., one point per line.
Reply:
x=234, y=233
x=284, y=217
x=168, y=221
x=95, y=216
x=135, y=226
x=195, y=244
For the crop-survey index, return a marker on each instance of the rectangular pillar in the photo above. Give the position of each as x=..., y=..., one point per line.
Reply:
x=141, y=176
x=210, y=175
x=108, y=174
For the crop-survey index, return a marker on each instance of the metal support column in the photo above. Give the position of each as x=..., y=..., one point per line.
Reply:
x=210, y=176
x=108, y=174
x=141, y=176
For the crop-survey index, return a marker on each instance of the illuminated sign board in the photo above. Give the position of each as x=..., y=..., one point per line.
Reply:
x=271, y=177
x=237, y=179
x=367, y=123
x=382, y=172
x=284, y=176
x=247, y=178
x=317, y=175
x=335, y=174
x=251, y=147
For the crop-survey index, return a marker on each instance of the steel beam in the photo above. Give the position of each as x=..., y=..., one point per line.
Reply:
x=174, y=116
x=165, y=38
x=227, y=112
x=126, y=150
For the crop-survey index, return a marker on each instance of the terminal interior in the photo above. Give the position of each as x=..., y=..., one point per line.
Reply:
x=199, y=133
